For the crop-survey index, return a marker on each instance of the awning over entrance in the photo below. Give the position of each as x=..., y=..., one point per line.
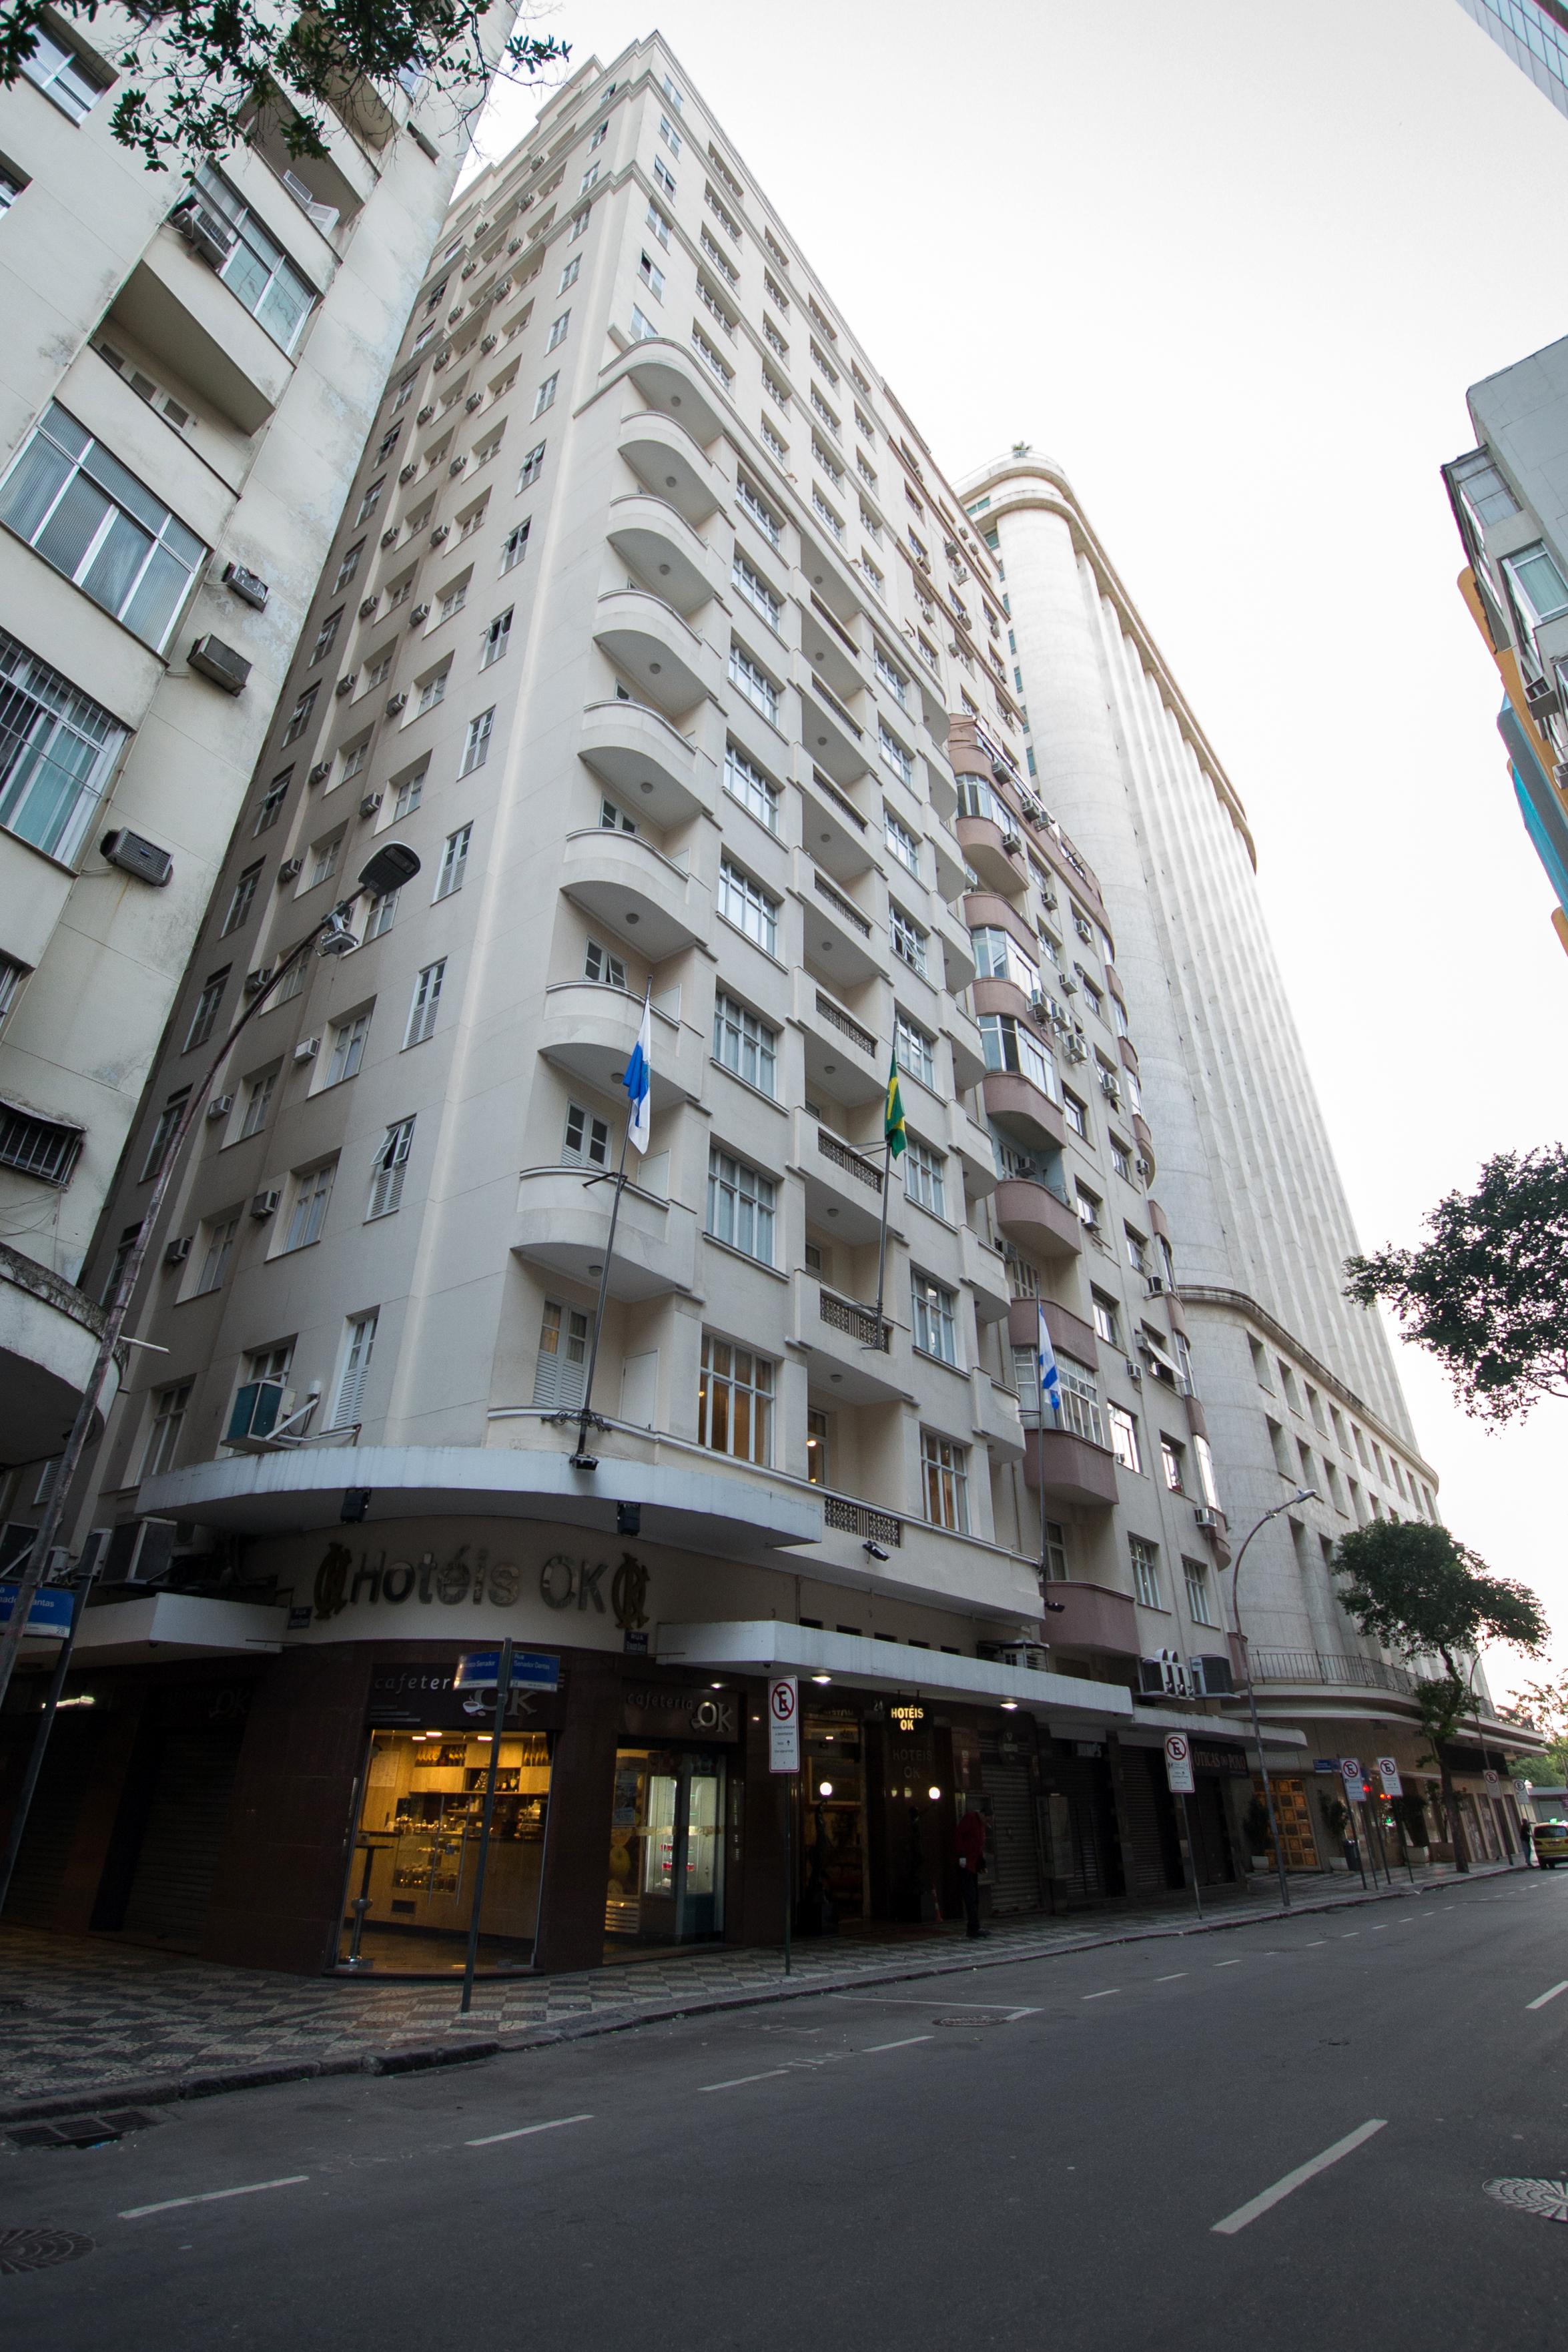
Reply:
x=766, y=1645
x=164, y=1625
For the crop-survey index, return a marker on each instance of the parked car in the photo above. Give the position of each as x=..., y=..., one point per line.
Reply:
x=1551, y=1844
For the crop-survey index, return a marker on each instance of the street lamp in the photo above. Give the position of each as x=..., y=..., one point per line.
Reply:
x=388, y=869
x=1306, y=1495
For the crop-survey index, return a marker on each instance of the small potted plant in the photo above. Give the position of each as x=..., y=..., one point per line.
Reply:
x=1410, y=1812
x=1255, y=1834
x=1337, y=1821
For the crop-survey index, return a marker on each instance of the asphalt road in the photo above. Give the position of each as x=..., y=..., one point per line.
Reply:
x=1035, y=2154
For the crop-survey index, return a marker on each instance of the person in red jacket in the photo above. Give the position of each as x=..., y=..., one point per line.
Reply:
x=970, y=1863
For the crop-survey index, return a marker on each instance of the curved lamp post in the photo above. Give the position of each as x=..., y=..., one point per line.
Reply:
x=391, y=866
x=1307, y=1494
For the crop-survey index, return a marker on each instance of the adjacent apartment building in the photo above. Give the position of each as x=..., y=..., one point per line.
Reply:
x=653, y=627
x=1299, y=1388
x=190, y=366
x=1534, y=34
x=1510, y=497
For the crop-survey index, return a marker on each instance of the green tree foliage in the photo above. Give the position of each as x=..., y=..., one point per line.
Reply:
x=1544, y=1707
x=1417, y=1589
x=200, y=77
x=1487, y=1293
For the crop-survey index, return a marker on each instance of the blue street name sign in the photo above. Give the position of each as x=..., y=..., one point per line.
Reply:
x=51, y=1614
x=531, y=1670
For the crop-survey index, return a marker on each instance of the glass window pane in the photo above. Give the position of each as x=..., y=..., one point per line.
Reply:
x=117, y=564
x=158, y=597
x=35, y=484
x=71, y=528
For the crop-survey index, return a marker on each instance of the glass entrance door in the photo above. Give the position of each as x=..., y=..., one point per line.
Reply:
x=666, y=1882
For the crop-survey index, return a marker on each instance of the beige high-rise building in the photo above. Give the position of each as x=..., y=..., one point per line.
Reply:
x=188, y=372
x=654, y=628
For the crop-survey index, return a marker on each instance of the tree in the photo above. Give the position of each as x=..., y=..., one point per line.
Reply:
x=1488, y=1292
x=1419, y=1590
x=1544, y=1707
x=199, y=78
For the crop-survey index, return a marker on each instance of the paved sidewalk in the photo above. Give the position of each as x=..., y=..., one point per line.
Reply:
x=85, y=2020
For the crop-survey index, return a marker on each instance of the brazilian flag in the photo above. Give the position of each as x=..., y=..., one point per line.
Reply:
x=893, y=1116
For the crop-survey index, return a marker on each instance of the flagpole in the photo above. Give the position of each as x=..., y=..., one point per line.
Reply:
x=893, y=1141
x=882, y=1239
x=637, y=1068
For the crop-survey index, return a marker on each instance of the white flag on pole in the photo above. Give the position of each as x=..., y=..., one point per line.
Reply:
x=638, y=1081
x=1050, y=1378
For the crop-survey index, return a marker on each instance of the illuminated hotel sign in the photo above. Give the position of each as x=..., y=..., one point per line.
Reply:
x=906, y=1715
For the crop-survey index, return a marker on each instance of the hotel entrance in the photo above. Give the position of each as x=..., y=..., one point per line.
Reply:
x=666, y=1882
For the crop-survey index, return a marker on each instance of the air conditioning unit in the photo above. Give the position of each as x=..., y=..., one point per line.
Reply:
x=307, y=1049
x=1108, y=1087
x=219, y=662
x=370, y=805
x=426, y=413
x=347, y=683
x=1560, y=775
x=516, y=243
x=139, y=1551
x=439, y=536
x=475, y=400
x=247, y=585
x=468, y=268
x=420, y=613
x=258, y=1407
x=1209, y=1520
x=1068, y=984
x=406, y=473
x=1210, y=1677
x=389, y=536
x=455, y=314
x=219, y=1107
x=457, y=466
x=175, y=1253
x=1540, y=697
x=320, y=772
x=257, y=979
x=1164, y=1675
x=437, y=363
x=290, y=870
x=1157, y=1286
x=1144, y=1345
x=397, y=702
x=206, y=233
x=1134, y=1371
x=264, y=1205
x=1076, y=1051
x=489, y=342
x=1049, y=898
x=134, y=855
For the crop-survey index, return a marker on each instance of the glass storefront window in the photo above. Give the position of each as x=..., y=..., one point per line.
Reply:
x=666, y=1882
x=418, y=1845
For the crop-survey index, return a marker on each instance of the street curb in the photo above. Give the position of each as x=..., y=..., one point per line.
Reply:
x=425, y=2057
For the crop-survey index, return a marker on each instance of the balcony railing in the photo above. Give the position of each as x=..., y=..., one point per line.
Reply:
x=835, y=623
x=842, y=906
x=1330, y=1666
x=861, y=1519
x=820, y=688
x=837, y=1018
x=856, y=1322
x=842, y=1156
x=830, y=790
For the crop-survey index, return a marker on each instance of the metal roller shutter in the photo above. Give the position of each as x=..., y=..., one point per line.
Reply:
x=178, y=1856
x=1015, y=1869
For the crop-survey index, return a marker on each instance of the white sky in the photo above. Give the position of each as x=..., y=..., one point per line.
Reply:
x=1234, y=265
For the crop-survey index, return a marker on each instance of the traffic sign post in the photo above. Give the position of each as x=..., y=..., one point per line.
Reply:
x=1180, y=1780
x=783, y=1756
x=1350, y=1773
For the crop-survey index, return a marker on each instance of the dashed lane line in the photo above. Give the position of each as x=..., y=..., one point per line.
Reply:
x=736, y=2081
x=1282, y=2189
x=526, y=2131
x=907, y=2044
x=1102, y=1996
x=1542, y=2000
x=1225, y=1964
x=1171, y=1978
x=213, y=2196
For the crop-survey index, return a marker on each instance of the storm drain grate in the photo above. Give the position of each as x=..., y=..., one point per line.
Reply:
x=35, y=2246
x=81, y=2131
x=1546, y=2199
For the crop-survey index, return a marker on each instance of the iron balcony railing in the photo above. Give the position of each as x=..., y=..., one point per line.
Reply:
x=845, y=1155
x=1331, y=1666
x=837, y=1018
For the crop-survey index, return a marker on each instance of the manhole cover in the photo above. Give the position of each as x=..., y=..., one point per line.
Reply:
x=1548, y=2198
x=970, y=2020
x=35, y=2246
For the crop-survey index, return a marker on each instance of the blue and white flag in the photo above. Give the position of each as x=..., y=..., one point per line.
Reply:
x=638, y=1081
x=1050, y=1378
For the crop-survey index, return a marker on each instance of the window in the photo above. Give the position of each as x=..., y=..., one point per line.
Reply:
x=62, y=74
x=380, y=670
x=614, y=818
x=203, y=1020
x=1137, y=1251
x=1105, y=1319
x=272, y=805
x=755, y=590
x=349, y=565
x=58, y=749
x=924, y=1176
x=1006, y=1044
x=601, y=966
x=745, y=1043
x=1541, y=585
x=354, y=760
x=12, y=976
x=998, y=956
x=586, y=1143
x=219, y=1239
x=454, y=600
x=454, y=863
x=660, y=226
x=824, y=512
x=740, y=1205
x=258, y=1102
x=348, y=1048
x=904, y=845
x=587, y=180
x=745, y=781
x=892, y=677
x=90, y=519
x=163, y=1436
x=754, y=504
x=750, y=909
x=1089, y=1209
x=532, y=466
x=818, y=1449
x=312, y=1191
x=1075, y=1115
x=663, y=177
x=909, y=940
x=1200, y=1597
x=558, y=331
x=1121, y=1160
x=711, y=359
x=325, y=634
x=300, y=717
x=1483, y=489
x=643, y=328
x=669, y=134
x=775, y=339
x=546, y=397
x=372, y=499
x=409, y=792
x=1145, y=1558
x=514, y=547
x=422, y=1009
x=1124, y=1437
x=778, y=448
x=324, y=860
x=915, y=1052
x=735, y=1402
x=561, y=1372
x=388, y=1169
x=476, y=751
x=1172, y=1465
x=359, y=1340
x=579, y=225
x=652, y=276
x=898, y=761
x=944, y=1472
x=933, y=1311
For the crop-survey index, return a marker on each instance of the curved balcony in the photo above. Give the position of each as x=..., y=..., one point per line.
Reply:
x=589, y=1031
x=669, y=378
x=834, y=739
x=985, y=846
x=957, y=952
x=625, y=882
x=843, y=1186
x=964, y=1038
x=563, y=1224
x=846, y=943
x=667, y=661
x=845, y=1360
x=50, y=1338
x=1070, y=1335
x=1019, y=1107
x=659, y=543
x=1095, y=1618
x=843, y=1059
x=663, y=456
x=1073, y=1471
x=968, y=1138
x=639, y=753
x=1035, y=1217
x=1001, y=996
x=995, y=1418
x=1145, y=1144
x=986, y=1276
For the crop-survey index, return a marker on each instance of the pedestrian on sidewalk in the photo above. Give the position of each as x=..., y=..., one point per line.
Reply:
x=970, y=1863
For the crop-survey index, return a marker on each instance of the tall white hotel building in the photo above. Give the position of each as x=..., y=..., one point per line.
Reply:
x=654, y=627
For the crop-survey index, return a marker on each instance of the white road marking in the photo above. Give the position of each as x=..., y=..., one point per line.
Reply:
x=903, y=2001
x=1315, y=1941
x=1303, y=2173
x=1102, y=1996
x=1224, y=1964
x=213, y=2196
x=1545, y=1997
x=1348, y=1934
x=1171, y=1978
x=735, y=2081
x=907, y=2044
x=524, y=2131
x=1380, y=1926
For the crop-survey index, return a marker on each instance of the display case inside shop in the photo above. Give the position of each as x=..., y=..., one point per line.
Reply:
x=411, y=1880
